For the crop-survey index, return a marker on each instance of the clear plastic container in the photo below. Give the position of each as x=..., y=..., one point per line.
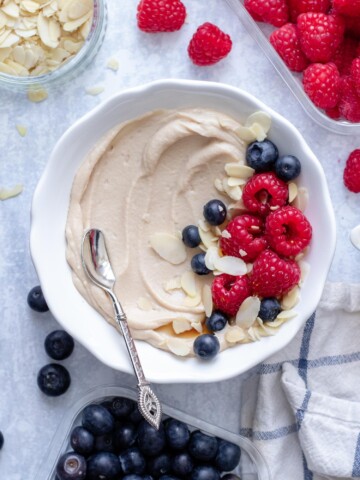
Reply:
x=68, y=69
x=251, y=467
x=261, y=32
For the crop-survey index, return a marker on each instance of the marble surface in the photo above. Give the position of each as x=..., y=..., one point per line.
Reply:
x=27, y=418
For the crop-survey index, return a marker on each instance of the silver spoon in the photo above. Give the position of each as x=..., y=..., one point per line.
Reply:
x=97, y=266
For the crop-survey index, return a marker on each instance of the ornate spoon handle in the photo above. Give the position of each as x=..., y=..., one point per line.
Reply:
x=149, y=404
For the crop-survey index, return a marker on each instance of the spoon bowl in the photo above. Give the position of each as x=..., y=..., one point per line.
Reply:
x=95, y=259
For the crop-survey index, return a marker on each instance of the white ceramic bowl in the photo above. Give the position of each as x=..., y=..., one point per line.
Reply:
x=49, y=212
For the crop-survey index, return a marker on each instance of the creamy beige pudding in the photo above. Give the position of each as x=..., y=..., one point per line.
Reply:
x=141, y=185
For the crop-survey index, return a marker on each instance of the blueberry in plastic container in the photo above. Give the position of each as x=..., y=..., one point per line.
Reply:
x=71, y=466
x=105, y=443
x=82, y=441
x=204, y=472
x=97, y=419
x=182, y=464
x=159, y=465
x=202, y=447
x=151, y=442
x=228, y=456
x=132, y=461
x=177, y=434
x=103, y=466
x=121, y=407
x=125, y=435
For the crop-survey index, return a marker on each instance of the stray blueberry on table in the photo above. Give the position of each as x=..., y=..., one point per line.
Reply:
x=82, y=441
x=198, y=264
x=36, y=300
x=206, y=346
x=103, y=465
x=215, y=212
x=125, y=435
x=261, y=156
x=269, y=309
x=121, y=407
x=71, y=466
x=177, y=434
x=59, y=345
x=1, y=440
x=132, y=461
x=191, y=237
x=202, y=447
x=160, y=465
x=204, y=472
x=217, y=321
x=182, y=464
x=228, y=456
x=287, y=167
x=151, y=441
x=97, y=420
x=53, y=379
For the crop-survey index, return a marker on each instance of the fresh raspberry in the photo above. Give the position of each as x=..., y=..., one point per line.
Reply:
x=274, y=12
x=159, y=16
x=297, y=7
x=285, y=40
x=355, y=74
x=263, y=191
x=246, y=238
x=229, y=292
x=272, y=276
x=352, y=172
x=349, y=104
x=320, y=35
x=208, y=45
x=345, y=54
x=288, y=231
x=347, y=7
x=352, y=26
x=333, y=113
x=322, y=84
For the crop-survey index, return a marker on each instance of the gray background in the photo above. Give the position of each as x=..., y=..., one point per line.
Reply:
x=28, y=419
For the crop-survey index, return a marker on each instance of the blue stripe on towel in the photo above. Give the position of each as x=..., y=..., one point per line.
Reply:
x=356, y=466
x=270, y=434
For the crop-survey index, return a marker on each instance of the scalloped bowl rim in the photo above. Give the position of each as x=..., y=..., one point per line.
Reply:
x=48, y=218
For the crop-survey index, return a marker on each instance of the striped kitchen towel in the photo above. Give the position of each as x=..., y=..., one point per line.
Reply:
x=302, y=407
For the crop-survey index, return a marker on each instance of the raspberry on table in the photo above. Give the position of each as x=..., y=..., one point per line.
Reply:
x=320, y=35
x=297, y=7
x=345, y=54
x=264, y=191
x=349, y=104
x=322, y=84
x=273, y=276
x=288, y=231
x=285, y=40
x=352, y=172
x=355, y=74
x=229, y=292
x=245, y=237
x=159, y=16
x=347, y=7
x=274, y=12
x=209, y=45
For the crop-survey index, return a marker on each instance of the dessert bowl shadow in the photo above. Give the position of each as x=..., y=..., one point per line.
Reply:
x=49, y=213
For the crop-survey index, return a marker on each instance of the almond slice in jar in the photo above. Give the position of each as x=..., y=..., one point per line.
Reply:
x=230, y=265
x=169, y=247
x=207, y=300
x=188, y=283
x=248, y=312
x=49, y=31
x=181, y=325
x=178, y=347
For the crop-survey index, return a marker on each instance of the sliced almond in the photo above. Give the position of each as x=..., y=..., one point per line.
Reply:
x=207, y=238
x=78, y=9
x=260, y=117
x=169, y=247
x=181, y=325
x=230, y=265
x=302, y=199
x=144, y=304
x=355, y=237
x=258, y=132
x=49, y=31
x=188, y=283
x=291, y=299
x=235, y=193
x=6, y=193
x=239, y=171
x=178, y=346
x=248, y=312
x=192, y=301
x=37, y=95
x=198, y=326
x=254, y=334
x=11, y=9
x=304, y=268
x=236, y=182
x=249, y=267
x=293, y=191
x=207, y=300
x=172, y=284
x=113, y=64
x=235, y=334
x=245, y=134
x=205, y=227
x=219, y=185
x=96, y=90
x=21, y=129
x=212, y=254
x=286, y=315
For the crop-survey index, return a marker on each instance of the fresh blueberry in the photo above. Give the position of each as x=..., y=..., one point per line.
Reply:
x=97, y=420
x=227, y=457
x=177, y=434
x=53, y=379
x=159, y=465
x=191, y=237
x=132, y=461
x=182, y=464
x=125, y=435
x=82, y=441
x=151, y=441
x=216, y=321
x=206, y=346
x=230, y=476
x=168, y=477
x=134, y=476
x=202, y=447
x=105, y=443
x=71, y=466
x=287, y=167
x=204, y=472
x=135, y=416
x=59, y=345
x=121, y=407
x=1, y=440
x=215, y=212
x=269, y=309
x=261, y=156
x=36, y=300
x=198, y=264
x=103, y=466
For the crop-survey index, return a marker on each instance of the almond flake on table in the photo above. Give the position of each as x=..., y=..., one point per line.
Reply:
x=113, y=64
x=37, y=95
x=21, y=129
x=6, y=193
x=96, y=90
